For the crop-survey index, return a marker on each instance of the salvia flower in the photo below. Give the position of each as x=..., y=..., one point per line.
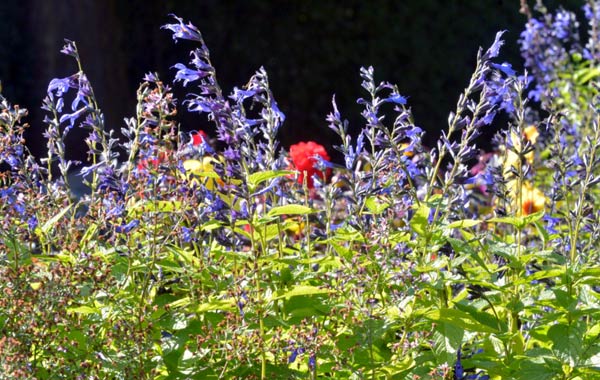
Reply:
x=183, y=31
x=128, y=227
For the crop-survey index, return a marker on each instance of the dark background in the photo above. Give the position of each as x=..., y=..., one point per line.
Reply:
x=311, y=50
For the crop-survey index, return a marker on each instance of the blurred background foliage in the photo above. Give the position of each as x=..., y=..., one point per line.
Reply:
x=311, y=49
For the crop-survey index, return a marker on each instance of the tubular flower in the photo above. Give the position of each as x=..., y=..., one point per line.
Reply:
x=304, y=160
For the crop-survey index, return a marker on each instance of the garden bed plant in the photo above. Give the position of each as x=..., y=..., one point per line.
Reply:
x=192, y=256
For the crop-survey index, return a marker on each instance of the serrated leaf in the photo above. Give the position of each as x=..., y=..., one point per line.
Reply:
x=518, y=221
x=447, y=340
x=290, y=210
x=375, y=206
x=567, y=341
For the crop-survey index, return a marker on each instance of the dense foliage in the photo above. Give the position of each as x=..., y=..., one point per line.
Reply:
x=177, y=260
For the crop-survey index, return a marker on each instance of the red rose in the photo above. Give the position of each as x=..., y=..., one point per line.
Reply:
x=198, y=137
x=303, y=159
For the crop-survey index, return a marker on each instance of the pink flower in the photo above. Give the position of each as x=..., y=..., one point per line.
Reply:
x=304, y=159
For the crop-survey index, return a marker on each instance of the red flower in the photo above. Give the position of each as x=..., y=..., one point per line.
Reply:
x=143, y=164
x=198, y=137
x=152, y=163
x=303, y=159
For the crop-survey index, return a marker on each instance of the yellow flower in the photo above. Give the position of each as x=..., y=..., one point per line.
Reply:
x=204, y=171
x=532, y=199
x=531, y=134
x=407, y=153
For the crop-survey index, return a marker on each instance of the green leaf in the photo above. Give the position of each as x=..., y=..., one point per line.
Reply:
x=256, y=179
x=462, y=247
x=83, y=310
x=215, y=305
x=211, y=225
x=375, y=206
x=182, y=302
x=486, y=318
x=518, y=221
x=584, y=75
x=567, y=341
x=542, y=232
x=303, y=290
x=348, y=234
x=464, y=223
x=539, y=368
x=447, y=339
x=143, y=206
x=290, y=210
x=52, y=221
x=420, y=220
x=549, y=273
x=459, y=319
x=399, y=368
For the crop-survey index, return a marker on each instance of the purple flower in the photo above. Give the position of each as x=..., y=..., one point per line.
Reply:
x=494, y=50
x=293, y=356
x=312, y=362
x=32, y=222
x=186, y=234
x=151, y=77
x=396, y=98
x=62, y=85
x=84, y=90
x=182, y=31
x=551, y=224
x=546, y=45
x=458, y=367
x=72, y=117
x=187, y=75
x=565, y=25
x=126, y=228
x=505, y=67
x=70, y=49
